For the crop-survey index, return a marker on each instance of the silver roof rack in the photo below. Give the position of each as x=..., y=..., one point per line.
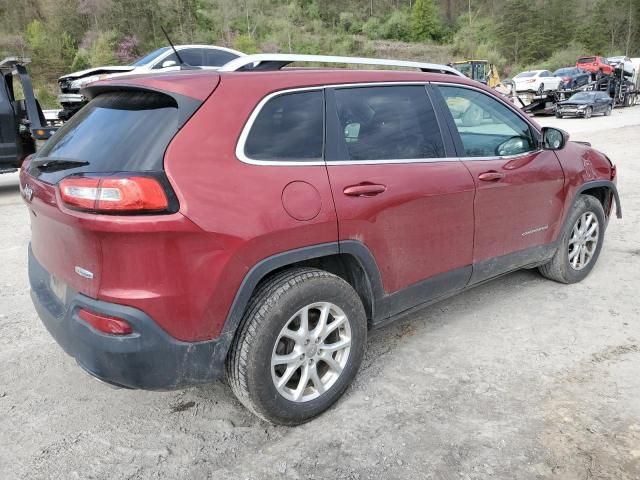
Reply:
x=276, y=61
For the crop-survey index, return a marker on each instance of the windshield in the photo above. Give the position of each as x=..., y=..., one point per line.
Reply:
x=582, y=96
x=526, y=74
x=150, y=57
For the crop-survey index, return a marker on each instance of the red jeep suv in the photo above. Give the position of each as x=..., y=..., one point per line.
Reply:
x=258, y=221
x=597, y=65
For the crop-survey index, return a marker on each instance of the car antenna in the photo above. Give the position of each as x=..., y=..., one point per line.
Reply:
x=182, y=63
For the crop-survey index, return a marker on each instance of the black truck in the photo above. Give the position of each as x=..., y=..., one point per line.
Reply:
x=22, y=123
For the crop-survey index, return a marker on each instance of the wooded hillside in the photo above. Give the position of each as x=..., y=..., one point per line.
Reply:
x=65, y=35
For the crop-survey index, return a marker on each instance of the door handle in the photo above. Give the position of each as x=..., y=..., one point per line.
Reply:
x=364, y=190
x=491, y=176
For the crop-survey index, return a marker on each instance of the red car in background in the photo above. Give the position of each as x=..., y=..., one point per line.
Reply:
x=597, y=65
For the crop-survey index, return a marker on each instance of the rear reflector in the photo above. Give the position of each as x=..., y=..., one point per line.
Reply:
x=105, y=324
x=130, y=194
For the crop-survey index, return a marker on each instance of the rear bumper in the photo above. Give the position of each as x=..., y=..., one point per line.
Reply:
x=149, y=358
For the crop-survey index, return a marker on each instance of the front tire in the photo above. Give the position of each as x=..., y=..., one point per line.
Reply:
x=300, y=344
x=580, y=244
x=607, y=112
x=588, y=112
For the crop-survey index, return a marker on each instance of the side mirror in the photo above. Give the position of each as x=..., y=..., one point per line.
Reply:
x=554, y=138
x=168, y=63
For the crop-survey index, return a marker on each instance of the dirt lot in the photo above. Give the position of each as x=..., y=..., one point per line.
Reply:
x=520, y=378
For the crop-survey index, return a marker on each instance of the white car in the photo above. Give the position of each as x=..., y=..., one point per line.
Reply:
x=536, y=81
x=160, y=60
x=624, y=63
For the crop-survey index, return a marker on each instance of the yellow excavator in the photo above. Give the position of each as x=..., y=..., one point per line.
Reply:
x=480, y=70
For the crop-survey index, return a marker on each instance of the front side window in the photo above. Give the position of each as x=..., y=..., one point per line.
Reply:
x=388, y=123
x=289, y=127
x=487, y=128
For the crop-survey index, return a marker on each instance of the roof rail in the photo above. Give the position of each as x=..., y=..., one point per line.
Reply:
x=276, y=61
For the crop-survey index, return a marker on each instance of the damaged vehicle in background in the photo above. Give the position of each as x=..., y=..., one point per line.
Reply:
x=585, y=104
x=160, y=60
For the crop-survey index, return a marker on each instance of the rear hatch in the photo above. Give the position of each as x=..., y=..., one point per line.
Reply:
x=121, y=134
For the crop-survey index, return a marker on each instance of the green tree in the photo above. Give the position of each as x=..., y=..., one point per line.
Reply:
x=425, y=21
x=519, y=34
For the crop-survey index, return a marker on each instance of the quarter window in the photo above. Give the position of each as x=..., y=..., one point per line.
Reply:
x=388, y=123
x=288, y=128
x=487, y=128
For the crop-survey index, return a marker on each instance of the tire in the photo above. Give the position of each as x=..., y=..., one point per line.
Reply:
x=558, y=115
x=607, y=112
x=560, y=268
x=588, y=112
x=541, y=89
x=261, y=339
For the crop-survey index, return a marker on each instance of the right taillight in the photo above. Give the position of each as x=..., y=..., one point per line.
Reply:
x=114, y=195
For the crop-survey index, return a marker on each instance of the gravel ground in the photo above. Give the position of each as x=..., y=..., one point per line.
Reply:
x=521, y=378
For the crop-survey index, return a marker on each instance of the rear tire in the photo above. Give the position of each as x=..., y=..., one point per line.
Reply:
x=288, y=374
x=569, y=265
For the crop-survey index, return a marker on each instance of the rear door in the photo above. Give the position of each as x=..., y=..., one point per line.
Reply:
x=397, y=192
x=519, y=187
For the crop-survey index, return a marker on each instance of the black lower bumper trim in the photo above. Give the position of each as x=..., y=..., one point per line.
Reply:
x=149, y=358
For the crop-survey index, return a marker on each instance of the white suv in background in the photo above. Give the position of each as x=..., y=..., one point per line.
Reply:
x=536, y=81
x=163, y=59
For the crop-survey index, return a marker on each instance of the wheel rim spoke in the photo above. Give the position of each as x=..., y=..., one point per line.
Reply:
x=332, y=363
x=334, y=347
x=302, y=383
x=315, y=378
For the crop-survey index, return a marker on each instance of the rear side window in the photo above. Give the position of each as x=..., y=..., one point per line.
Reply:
x=289, y=127
x=123, y=131
x=388, y=123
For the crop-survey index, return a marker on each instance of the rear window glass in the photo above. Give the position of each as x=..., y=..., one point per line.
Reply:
x=123, y=131
x=388, y=123
x=587, y=60
x=288, y=128
x=525, y=75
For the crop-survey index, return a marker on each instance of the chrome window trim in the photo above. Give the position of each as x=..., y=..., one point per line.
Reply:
x=511, y=108
x=240, y=145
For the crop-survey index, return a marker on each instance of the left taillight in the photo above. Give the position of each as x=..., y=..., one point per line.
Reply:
x=105, y=324
x=114, y=195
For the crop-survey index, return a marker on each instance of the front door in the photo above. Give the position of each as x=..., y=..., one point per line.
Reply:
x=519, y=187
x=397, y=192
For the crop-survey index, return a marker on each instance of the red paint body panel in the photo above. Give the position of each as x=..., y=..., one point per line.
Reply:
x=421, y=225
x=521, y=210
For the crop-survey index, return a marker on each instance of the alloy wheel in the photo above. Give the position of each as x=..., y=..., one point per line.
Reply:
x=311, y=352
x=583, y=241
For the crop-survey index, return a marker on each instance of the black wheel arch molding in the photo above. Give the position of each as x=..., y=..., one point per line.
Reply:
x=608, y=184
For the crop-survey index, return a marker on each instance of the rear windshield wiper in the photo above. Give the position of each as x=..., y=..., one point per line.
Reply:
x=56, y=163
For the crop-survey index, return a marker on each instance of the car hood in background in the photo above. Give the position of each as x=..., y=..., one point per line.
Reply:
x=575, y=102
x=96, y=71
